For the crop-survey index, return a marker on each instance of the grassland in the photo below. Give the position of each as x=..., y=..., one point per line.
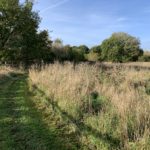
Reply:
x=109, y=107
x=26, y=121
x=67, y=107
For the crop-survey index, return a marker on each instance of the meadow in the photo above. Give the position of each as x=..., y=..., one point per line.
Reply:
x=67, y=107
x=86, y=93
x=107, y=108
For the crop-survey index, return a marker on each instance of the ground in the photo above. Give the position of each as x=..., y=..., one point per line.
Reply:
x=26, y=124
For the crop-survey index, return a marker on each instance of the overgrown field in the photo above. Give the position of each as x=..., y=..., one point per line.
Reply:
x=26, y=121
x=82, y=107
x=105, y=108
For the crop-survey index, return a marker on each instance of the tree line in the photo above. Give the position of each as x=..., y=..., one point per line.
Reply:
x=21, y=42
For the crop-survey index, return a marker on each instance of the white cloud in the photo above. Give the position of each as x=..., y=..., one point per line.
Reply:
x=54, y=5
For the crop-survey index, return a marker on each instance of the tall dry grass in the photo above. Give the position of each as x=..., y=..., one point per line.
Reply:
x=5, y=70
x=124, y=110
x=139, y=65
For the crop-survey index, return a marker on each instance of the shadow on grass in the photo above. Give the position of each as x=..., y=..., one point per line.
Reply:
x=106, y=138
x=21, y=123
x=3, y=79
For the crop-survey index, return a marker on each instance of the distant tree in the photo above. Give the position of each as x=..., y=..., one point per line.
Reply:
x=63, y=53
x=121, y=47
x=57, y=44
x=84, y=49
x=44, y=45
x=78, y=54
x=68, y=53
x=96, y=49
x=94, y=54
x=145, y=57
x=58, y=49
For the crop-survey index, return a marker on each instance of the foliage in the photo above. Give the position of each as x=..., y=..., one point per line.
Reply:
x=121, y=47
x=63, y=53
x=92, y=56
x=20, y=41
x=78, y=54
x=84, y=49
x=43, y=46
x=96, y=49
x=144, y=58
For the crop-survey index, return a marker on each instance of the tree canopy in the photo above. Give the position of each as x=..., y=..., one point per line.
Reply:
x=21, y=42
x=121, y=47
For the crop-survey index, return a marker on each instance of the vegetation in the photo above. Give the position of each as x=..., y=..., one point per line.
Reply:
x=108, y=109
x=86, y=107
x=26, y=120
x=57, y=98
x=121, y=47
x=145, y=57
x=22, y=43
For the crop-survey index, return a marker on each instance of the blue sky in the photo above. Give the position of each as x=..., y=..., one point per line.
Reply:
x=89, y=22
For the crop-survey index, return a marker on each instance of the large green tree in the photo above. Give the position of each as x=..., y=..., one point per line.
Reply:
x=18, y=29
x=121, y=47
x=20, y=41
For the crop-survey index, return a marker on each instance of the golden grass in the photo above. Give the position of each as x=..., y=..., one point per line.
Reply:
x=8, y=71
x=5, y=70
x=64, y=84
x=124, y=88
x=147, y=53
x=129, y=64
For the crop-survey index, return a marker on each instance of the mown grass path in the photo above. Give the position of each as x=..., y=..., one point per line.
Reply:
x=26, y=123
